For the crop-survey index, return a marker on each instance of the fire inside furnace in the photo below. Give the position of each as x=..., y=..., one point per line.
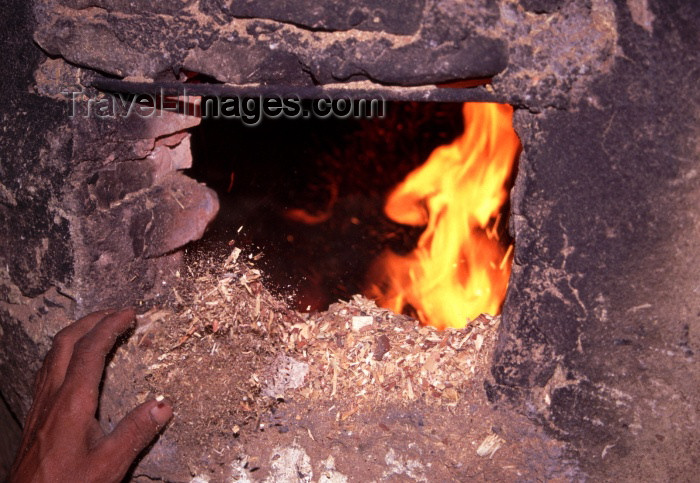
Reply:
x=410, y=209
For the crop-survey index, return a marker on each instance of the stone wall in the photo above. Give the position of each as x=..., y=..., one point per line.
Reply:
x=599, y=328
x=93, y=210
x=601, y=320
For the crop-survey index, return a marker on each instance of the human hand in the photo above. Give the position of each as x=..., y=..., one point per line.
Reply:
x=62, y=440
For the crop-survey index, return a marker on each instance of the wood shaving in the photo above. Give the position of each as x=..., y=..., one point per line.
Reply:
x=213, y=353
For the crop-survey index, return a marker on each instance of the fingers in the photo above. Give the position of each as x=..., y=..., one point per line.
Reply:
x=134, y=433
x=53, y=370
x=56, y=362
x=86, y=365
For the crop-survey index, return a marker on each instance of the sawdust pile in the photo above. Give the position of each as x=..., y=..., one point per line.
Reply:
x=227, y=351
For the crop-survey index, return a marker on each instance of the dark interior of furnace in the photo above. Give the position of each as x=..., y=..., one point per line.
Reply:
x=309, y=193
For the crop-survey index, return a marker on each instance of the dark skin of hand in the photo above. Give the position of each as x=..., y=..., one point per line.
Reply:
x=62, y=440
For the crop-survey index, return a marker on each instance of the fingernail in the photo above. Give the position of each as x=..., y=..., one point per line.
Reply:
x=161, y=413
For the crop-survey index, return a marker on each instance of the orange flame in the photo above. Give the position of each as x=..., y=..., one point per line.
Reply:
x=459, y=268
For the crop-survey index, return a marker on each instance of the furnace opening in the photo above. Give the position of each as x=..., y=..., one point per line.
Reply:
x=330, y=208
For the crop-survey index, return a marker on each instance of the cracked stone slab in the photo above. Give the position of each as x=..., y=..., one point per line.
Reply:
x=401, y=42
x=401, y=17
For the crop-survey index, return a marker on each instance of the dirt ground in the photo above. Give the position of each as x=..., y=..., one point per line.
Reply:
x=355, y=393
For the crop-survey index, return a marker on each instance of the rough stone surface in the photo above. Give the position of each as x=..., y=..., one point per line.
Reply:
x=268, y=42
x=554, y=58
x=239, y=63
x=132, y=206
x=35, y=249
x=419, y=62
x=78, y=204
x=552, y=49
x=542, y=6
x=119, y=43
x=600, y=325
x=393, y=16
x=166, y=7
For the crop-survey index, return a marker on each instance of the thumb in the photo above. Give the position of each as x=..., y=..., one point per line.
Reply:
x=134, y=433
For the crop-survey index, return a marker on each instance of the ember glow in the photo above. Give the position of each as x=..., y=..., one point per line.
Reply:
x=459, y=268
